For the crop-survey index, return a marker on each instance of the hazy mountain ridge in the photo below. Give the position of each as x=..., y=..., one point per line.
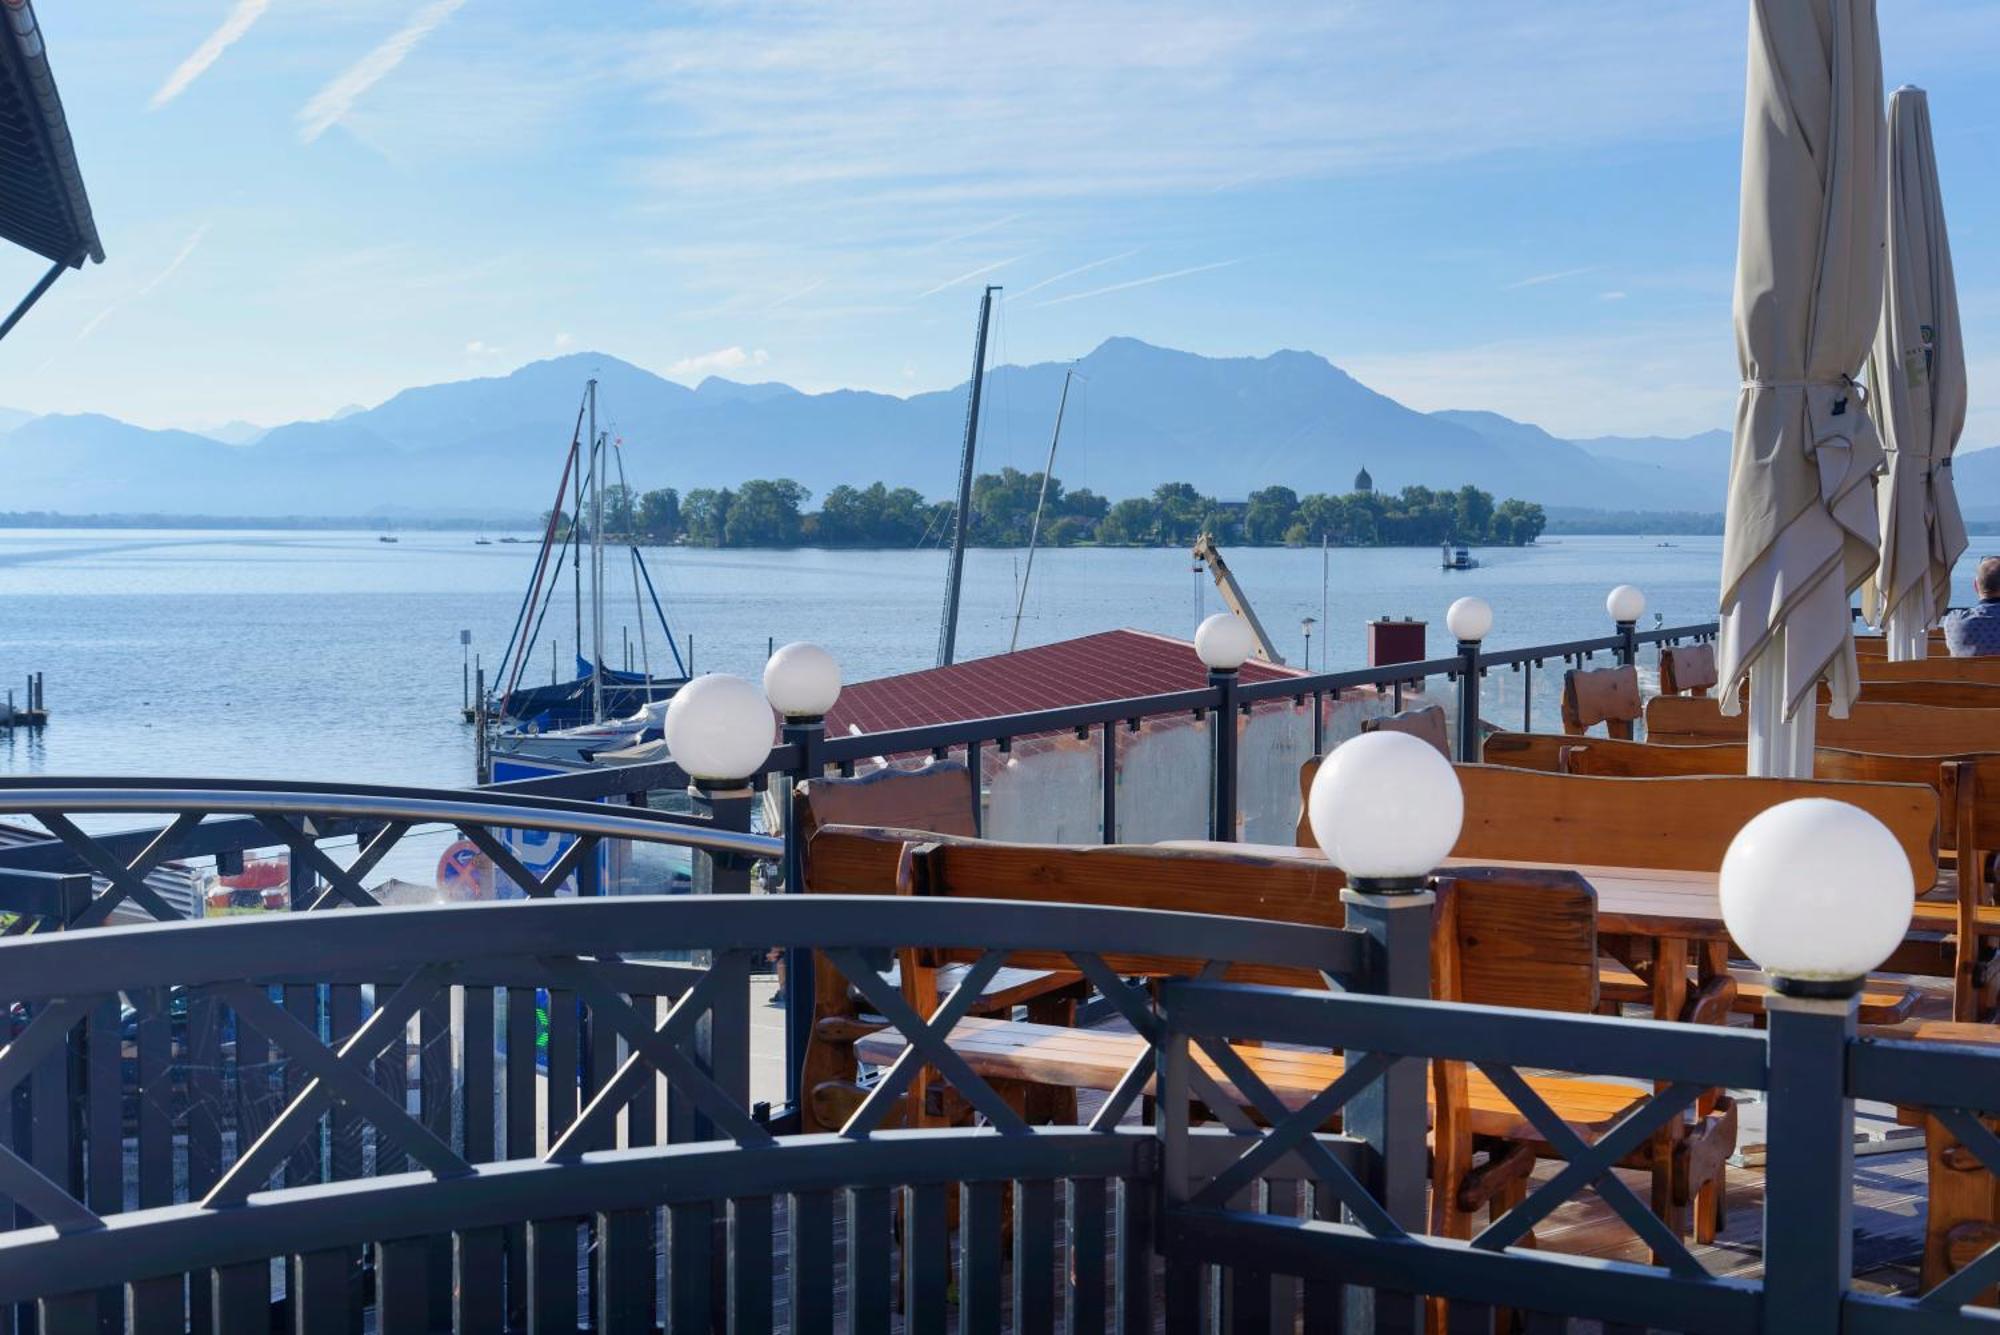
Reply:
x=1140, y=415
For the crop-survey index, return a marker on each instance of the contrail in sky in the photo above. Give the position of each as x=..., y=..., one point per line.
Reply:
x=1538, y=279
x=332, y=103
x=980, y=272
x=1141, y=282
x=233, y=26
x=1071, y=273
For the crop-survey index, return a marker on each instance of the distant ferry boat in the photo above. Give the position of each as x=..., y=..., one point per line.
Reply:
x=1458, y=558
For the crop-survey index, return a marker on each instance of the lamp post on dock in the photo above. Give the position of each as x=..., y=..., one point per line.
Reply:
x=802, y=682
x=1224, y=642
x=1626, y=605
x=1306, y=625
x=1468, y=620
x=1818, y=893
x=1386, y=808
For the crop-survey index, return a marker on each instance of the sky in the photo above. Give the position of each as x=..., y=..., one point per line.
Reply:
x=1528, y=207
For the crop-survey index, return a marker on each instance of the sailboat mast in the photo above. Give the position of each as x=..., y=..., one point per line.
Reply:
x=948, y=631
x=1041, y=501
x=596, y=563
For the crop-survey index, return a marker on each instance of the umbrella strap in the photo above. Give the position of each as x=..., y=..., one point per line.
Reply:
x=1841, y=382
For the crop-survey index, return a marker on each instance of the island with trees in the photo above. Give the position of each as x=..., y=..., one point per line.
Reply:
x=774, y=512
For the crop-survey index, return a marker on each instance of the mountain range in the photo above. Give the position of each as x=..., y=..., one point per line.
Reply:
x=1140, y=415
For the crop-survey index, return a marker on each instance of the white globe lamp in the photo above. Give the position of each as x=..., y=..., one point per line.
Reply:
x=1386, y=807
x=1625, y=603
x=1818, y=893
x=1224, y=642
x=718, y=727
x=1469, y=619
x=802, y=680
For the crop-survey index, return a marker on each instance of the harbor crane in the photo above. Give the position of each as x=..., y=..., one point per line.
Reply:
x=1206, y=553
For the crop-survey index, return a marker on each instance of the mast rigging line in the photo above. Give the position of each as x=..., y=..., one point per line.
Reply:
x=517, y=649
x=1041, y=501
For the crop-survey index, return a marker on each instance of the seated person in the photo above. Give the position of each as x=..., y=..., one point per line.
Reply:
x=1974, y=632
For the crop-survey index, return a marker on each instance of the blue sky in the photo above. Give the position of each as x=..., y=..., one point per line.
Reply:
x=1529, y=207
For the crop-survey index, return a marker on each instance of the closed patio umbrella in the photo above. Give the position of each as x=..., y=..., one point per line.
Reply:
x=1801, y=529
x=1916, y=387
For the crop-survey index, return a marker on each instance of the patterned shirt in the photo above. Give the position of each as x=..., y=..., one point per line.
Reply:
x=1975, y=631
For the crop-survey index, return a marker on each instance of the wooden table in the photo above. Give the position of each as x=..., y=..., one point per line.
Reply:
x=1648, y=917
x=1962, y=1205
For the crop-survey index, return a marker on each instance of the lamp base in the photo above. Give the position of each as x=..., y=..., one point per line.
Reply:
x=1817, y=989
x=1388, y=885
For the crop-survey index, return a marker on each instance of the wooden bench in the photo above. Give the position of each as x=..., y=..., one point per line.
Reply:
x=845, y=856
x=1687, y=669
x=1428, y=723
x=1910, y=730
x=1609, y=696
x=1486, y=965
x=1962, y=1204
x=1934, y=668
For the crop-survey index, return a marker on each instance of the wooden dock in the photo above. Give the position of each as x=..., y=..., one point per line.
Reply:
x=36, y=712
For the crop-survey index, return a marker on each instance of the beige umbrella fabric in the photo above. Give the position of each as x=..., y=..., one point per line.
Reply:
x=1801, y=530
x=1917, y=391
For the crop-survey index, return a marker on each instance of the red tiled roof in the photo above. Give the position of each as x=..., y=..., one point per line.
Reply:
x=1111, y=665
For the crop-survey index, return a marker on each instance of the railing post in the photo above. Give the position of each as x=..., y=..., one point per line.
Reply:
x=726, y=803
x=1468, y=702
x=1222, y=784
x=804, y=734
x=1628, y=646
x=1391, y=1116
x=1809, y=1163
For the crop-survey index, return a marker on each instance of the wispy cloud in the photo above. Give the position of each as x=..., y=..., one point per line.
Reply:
x=1611, y=296
x=722, y=359
x=564, y=338
x=236, y=23
x=969, y=275
x=1537, y=280
x=1072, y=273
x=792, y=296
x=1147, y=281
x=970, y=232
x=332, y=103
x=95, y=322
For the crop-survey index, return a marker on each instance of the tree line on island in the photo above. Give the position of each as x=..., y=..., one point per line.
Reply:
x=772, y=512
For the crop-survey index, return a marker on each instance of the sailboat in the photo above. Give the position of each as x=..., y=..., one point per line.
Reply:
x=616, y=707
x=962, y=517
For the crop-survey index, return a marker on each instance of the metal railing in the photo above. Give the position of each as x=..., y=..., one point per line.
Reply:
x=74, y=879
x=570, y=1132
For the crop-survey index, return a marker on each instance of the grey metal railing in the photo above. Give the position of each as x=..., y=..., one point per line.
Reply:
x=567, y=1121
x=568, y=1140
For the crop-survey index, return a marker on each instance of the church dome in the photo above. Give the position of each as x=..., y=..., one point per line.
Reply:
x=1363, y=482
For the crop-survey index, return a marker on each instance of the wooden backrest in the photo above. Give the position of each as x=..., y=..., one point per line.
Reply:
x=1430, y=723
x=938, y=798
x=1679, y=823
x=1939, y=694
x=1893, y=729
x=1601, y=695
x=1242, y=885
x=1963, y=783
x=1876, y=646
x=1528, y=750
x=1938, y=667
x=1509, y=937
x=1687, y=669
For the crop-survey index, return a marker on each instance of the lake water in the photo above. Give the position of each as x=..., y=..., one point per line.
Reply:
x=333, y=656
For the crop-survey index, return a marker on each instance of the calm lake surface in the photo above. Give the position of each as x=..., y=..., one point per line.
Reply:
x=332, y=656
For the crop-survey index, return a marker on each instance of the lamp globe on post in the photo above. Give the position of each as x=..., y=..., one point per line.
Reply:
x=802, y=682
x=1386, y=808
x=1224, y=642
x=718, y=729
x=1468, y=620
x=1626, y=605
x=1818, y=893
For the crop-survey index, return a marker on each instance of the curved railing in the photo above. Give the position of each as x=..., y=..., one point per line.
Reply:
x=211, y=816
x=558, y=1094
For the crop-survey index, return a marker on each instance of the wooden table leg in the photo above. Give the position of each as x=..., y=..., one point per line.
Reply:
x=1670, y=994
